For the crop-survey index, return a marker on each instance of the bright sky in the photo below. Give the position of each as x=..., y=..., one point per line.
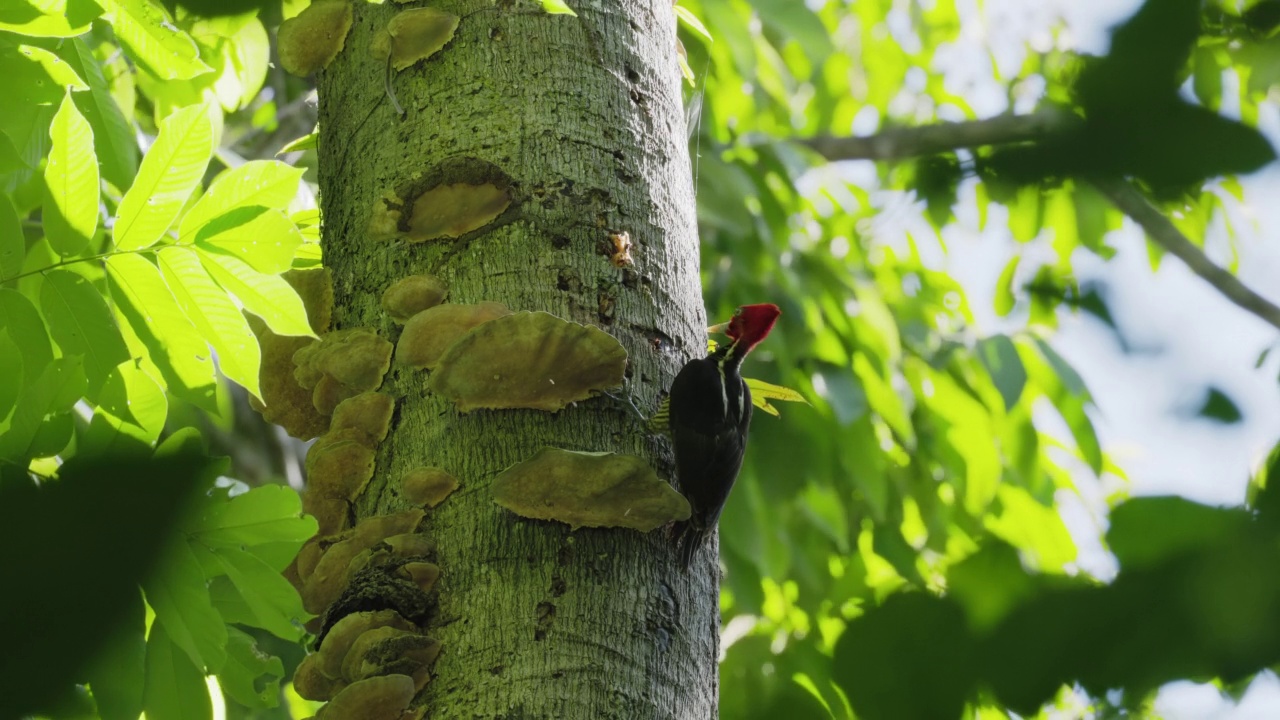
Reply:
x=1182, y=336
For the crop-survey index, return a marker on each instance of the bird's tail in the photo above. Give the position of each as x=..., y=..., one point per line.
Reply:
x=690, y=537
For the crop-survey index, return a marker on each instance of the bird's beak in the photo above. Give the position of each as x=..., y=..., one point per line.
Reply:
x=722, y=328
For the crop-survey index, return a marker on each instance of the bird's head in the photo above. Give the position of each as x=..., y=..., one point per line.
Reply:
x=750, y=325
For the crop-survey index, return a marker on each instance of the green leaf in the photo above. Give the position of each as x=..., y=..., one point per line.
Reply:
x=238, y=48
x=1147, y=531
x=130, y=405
x=42, y=76
x=688, y=18
x=557, y=7
x=48, y=18
x=267, y=296
x=149, y=37
x=912, y=657
x=264, y=183
x=39, y=408
x=118, y=676
x=266, y=514
x=1032, y=527
x=180, y=597
x=798, y=22
x=143, y=298
x=214, y=315
x=171, y=169
x=175, y=688
x=306, y=142
x=25, y=327
x=13, y=250
x=883, y=399
x=1005, y=299
x=81, y=324
x=762, y=392
x=70, y=210
x=113, y=138
x=1000, y=357
x=251, y=677
x=264, y=238
x=275, y=604
x=11, y=374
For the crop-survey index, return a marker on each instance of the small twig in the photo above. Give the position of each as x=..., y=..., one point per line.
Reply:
x=1164, y=233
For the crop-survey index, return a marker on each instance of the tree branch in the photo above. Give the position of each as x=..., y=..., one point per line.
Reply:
x=909, y=142
x=905, y=143
x=1165, y=234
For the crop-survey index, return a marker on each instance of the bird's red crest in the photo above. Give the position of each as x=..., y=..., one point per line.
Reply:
x=752, y=323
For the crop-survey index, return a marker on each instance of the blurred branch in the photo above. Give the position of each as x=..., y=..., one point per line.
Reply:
x=908, y=142
x=904, y=143
x=1164, y=233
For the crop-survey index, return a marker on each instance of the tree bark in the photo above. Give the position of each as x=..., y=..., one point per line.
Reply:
x=583, y=116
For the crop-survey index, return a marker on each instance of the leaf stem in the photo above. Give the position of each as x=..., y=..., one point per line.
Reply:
x=73, y=261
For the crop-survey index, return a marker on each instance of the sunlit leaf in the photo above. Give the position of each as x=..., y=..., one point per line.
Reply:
x=267, y=296
x=12, y=248
x=263, y=238
x=258, y=183
x=27, y=329
x=688, y=18
x=70, y=210
x=169, y=172
x=762, y=392
x=48, y=18
x=143, y=297
x=306, y=142
x=45, y=399
x=214, y=315
x=81, y=324
x=557, y=7
x=152, y=40
x=131, y=404
x=113, y=138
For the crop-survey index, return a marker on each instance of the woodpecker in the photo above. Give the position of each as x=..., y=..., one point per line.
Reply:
x=708, y=414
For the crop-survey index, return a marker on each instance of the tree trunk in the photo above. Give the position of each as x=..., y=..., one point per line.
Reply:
x=581, y=117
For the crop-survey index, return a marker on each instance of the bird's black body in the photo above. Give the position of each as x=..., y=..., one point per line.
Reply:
x=709, y=414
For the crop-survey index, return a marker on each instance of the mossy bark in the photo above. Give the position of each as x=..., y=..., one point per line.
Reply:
x=581, y=118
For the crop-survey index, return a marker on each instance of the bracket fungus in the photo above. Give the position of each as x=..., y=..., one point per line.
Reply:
x=344, y=363
x=430, y=332
x=411, y=295
x=369, y=413
x=450, y=211
x=587, y=489
x=339, y=465
x=386, y=697
x=414, y=34
x=427, y=486
x=337, y=643
x=388, y=651
x=313, y=38
x=326, y=582
x=285, y=402
x=529, y=360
